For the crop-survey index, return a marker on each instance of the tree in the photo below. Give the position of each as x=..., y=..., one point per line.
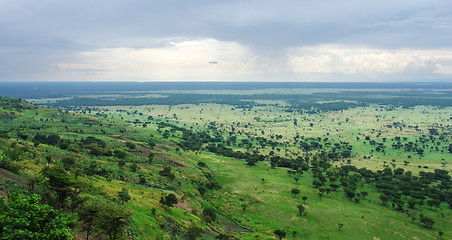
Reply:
x=169, y=200
x=151, y=157
x=251, y=161
x=384, y=198
x=209, y=215
x=428, y=222
x=131, y=145
x=304, y=198
x=31, y=182
x=295, y=191
x=301, y=209
x=165, y=172
x=112, y=220
x=87, y=216
x=194, y=232
x=123, y=196
x=349, y=192
x=60, y=182
x=68, y=162
x=22, y=217
x=280, y=233
x=119, y=154
x=434, y=203
x=133, y=167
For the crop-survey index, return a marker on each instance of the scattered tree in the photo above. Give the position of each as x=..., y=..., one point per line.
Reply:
x=169, y=200
x=301, y=209
x=428, y=222
x=295, y=191
x=280, y=233
x=123, y=196
x=209, y=215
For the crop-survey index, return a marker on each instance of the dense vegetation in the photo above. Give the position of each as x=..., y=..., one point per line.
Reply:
x=308, y=103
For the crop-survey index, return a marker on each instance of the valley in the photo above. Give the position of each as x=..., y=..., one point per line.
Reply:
x=247, y=164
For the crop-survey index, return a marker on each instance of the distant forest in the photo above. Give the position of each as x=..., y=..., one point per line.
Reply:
x=339, y=96
x=298, y=102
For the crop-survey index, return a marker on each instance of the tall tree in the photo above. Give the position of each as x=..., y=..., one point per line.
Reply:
x=87, y=216
x=112, y=220
x=60, y=182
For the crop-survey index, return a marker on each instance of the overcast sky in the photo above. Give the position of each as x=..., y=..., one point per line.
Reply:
x=229, y=40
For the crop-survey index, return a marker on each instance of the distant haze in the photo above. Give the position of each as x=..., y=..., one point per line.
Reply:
x=236, y=40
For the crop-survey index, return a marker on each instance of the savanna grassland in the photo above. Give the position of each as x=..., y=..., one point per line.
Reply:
x=249, y=164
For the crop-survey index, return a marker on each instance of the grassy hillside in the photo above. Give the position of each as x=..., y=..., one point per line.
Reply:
x=225, y=194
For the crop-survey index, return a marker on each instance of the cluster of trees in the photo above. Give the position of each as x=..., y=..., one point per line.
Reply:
x=171, y=99
x=25, y=217
x=404, y=189
x=92, y=145
x=221, y=149
x=311, y=107
x=190, y=140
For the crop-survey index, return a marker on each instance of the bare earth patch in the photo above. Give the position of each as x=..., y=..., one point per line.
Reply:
x=184, y=205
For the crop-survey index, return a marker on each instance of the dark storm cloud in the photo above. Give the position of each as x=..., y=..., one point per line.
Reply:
x=62, y=24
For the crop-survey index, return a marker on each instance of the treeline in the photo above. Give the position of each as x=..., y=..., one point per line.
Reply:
x=170, y=99
x=190, y=139
x=307, y=103
x=250, y=158
x=316, y=107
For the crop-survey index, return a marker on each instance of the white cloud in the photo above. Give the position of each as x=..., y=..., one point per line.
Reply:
x=211, y=59
x=362, y=60
x=178, y=60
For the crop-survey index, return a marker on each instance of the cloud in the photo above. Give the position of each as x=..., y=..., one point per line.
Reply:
x=260, y=24
x=141, y=40
x=178, y=60
x=362, y=60
x=191, y=60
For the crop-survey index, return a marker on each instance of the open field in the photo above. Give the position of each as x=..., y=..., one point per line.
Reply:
x=381, y=124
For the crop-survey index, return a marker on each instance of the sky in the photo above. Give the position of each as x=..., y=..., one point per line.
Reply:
x=233, y=40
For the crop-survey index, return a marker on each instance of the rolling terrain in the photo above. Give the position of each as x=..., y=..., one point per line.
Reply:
x=261, y=169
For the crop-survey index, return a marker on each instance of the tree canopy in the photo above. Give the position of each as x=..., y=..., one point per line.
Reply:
x=23, y=217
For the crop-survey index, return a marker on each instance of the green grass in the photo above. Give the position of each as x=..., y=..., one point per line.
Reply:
x=270, y=206
x=344, y=125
